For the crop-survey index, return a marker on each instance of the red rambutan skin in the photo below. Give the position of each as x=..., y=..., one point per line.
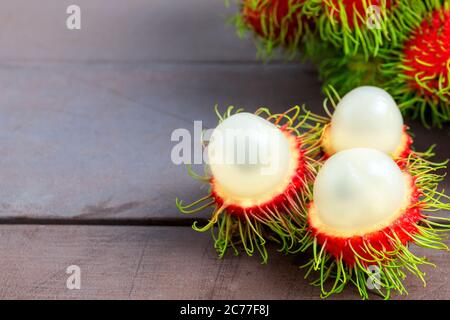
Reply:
x=402, y=228
x=401, y=158
x=272, y=13
x=280, y=201
x=427, y=53
x=352, y=8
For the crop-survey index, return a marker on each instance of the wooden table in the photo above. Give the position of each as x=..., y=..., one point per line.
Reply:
x=85, y=170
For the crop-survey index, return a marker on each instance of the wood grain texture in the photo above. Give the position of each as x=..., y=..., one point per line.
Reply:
x=85, y=124
x=115, y=30
x=159, y=263
x=94, y=141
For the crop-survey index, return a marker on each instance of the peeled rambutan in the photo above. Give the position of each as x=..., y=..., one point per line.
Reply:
x=260, y=171
x=276, y=23
x=366, y=117
x=366, y=25
x=364, y=214
x=419, y=71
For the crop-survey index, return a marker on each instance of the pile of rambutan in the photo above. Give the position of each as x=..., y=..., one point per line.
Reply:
x=402, y=45
x=347, y=190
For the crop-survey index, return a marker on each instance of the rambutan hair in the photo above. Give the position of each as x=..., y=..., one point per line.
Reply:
x=278, y=219
x=275, y=23
x=344, y=72
x=365, y=26
x=418, y=72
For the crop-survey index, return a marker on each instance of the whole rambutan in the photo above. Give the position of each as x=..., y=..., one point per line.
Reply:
x=419, y=71
x=259, y=175
x=364, y=214
x=275, y=23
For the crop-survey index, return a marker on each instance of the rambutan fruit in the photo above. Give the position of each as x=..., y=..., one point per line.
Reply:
x=366, y=117
x=366, y=25
x=365, y=213
x=419, y=70
x=344, y=73
x=275, y=23
x=260, y=168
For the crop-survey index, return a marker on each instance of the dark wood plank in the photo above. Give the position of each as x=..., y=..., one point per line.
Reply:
x=115, y=30
x=93, y=141
x=424, y=138
x=159, y=263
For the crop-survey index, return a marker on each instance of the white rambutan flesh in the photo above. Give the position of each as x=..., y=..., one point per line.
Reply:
x=358, y=191
x=251, y=160
x=366, y=117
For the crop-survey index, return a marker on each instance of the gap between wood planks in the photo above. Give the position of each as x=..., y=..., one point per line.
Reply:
x=29, y=63
x=163, y=222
